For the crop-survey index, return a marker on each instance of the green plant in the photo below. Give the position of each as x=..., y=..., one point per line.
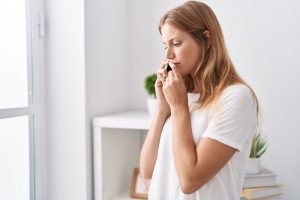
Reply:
x=258, y=147
x=150, y=84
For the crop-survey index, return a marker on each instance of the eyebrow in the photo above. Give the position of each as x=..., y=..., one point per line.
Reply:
x=172, y=39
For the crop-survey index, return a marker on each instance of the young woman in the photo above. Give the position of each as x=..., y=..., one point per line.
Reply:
x=200, y=137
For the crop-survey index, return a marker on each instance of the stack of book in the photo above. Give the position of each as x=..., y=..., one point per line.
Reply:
x=261, y=186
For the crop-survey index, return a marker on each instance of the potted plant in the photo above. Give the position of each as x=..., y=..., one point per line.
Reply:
x=258, y=148
x=150, y=88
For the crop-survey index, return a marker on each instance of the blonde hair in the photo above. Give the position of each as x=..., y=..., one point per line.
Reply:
x=215, y=71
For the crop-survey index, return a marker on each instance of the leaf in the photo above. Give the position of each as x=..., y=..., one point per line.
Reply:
x=259, y=146
x=150, y=84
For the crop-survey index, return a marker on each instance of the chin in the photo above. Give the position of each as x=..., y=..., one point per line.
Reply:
x=185, y=73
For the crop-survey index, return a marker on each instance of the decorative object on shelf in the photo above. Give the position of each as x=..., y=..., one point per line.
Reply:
x=265, y=178
x=139, y=186
x=258, y=148
x=261, y=186
x=150, y=88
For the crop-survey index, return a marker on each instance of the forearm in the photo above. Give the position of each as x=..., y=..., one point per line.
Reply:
x=185, y=156
x=195, y=165
x=150, y=147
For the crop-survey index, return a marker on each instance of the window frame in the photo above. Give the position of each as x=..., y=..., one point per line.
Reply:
x=36, y=96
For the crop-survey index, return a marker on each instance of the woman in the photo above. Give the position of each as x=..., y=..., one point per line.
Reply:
x=200, y=137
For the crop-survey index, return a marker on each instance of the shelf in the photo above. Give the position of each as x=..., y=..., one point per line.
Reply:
x=132, y=119
x=116, y=152
x=123, y=196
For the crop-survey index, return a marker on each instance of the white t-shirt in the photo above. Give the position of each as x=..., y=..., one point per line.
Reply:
x=231, y=121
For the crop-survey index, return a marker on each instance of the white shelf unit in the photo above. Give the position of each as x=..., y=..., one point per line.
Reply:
x=117, y=140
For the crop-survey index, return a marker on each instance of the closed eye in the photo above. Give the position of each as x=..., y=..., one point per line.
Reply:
x=175, y=44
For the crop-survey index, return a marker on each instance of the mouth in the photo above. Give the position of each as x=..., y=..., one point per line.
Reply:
x=176, y=63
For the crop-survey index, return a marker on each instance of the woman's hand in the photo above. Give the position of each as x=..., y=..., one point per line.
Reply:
x=174, y=89
x=162, y=104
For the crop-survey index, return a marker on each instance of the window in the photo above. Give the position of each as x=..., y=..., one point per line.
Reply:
x=15, y=158
x=18, y=102
x=14, y=55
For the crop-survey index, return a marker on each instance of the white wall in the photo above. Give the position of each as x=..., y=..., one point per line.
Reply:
x=262, y=39
x=107, y=49
x=107, y=76
x=66, y=169
x=86, y=75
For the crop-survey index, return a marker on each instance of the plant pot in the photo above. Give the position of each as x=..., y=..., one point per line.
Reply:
x=151, y=105
x=253, y=166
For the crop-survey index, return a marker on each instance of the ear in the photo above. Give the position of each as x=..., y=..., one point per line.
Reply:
x=208, y=38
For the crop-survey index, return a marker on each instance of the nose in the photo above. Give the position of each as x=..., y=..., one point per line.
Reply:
x=170, y=54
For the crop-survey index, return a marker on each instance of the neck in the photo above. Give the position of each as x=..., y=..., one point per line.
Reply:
x=196, y=88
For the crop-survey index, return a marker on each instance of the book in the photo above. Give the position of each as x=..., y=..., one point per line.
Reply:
x=264, y=178
x=274, y=197
x=259, y=192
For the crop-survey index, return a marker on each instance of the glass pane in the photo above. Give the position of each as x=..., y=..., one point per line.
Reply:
x=13, y=51
x=14, y=158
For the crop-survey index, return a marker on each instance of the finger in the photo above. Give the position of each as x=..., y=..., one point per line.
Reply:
x=158, y=83
x=163, y=79
x=160, y=76
x=175, y=71
x=168, y=79
x=171, y=75
x=161, y=72
x=163, y=64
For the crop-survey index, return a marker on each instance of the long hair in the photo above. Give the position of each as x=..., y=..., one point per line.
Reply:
x=215, y=70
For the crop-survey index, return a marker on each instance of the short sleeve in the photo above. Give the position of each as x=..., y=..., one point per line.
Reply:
x=233, y=120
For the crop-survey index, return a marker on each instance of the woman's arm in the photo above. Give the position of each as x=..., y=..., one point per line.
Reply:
x=232, y=124
x=195, y=165
x=150, y=147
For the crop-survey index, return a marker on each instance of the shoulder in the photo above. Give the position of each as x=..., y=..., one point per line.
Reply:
x=238, y=89
x=237, y=94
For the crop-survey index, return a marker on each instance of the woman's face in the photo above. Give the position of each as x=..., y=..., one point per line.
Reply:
x=181, y=49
